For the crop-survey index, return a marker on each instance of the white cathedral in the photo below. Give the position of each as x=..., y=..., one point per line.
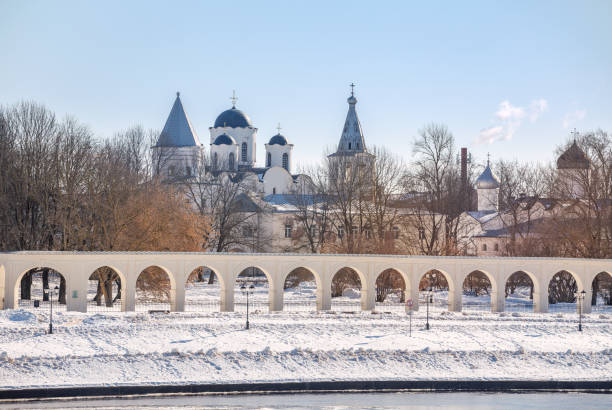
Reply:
x=179, y=154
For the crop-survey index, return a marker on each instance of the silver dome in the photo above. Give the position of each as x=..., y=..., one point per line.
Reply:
x=487, y=180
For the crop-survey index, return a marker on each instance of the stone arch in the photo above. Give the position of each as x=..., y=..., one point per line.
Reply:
x=345, y=278
x=297, y=295
x=152, y=291
x=601, y=291
x=262, y=298
x=449, y=280
x=117, y=291
x=475, y=285
x=561, y=289
x=438, y=282
x=62, y=285
x=389, y=280
x=515, y=302
x=202, y=289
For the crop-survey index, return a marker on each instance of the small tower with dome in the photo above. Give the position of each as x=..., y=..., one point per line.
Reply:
x=573, y=171
x=237, y=125
x=487, y=188
x=278, y=152
x=224, y=153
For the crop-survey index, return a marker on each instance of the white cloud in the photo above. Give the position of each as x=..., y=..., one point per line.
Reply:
x=492, y=134
x=508, y=112
x=509, y=118
x=573, y=117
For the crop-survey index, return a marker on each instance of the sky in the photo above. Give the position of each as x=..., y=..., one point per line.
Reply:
x=512, y=79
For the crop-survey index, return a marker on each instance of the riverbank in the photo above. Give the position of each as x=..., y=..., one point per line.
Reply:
x=191, y=349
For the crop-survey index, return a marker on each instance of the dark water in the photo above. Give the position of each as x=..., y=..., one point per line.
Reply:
x=343, y=401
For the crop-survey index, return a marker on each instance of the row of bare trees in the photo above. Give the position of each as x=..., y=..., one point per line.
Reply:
x=63, y=189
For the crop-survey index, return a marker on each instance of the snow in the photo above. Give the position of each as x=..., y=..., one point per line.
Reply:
x=210, y=347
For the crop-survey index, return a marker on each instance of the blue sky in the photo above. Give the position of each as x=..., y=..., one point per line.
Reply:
x=510, y=78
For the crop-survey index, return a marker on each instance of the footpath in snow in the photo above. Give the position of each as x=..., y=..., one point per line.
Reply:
x=142, y=348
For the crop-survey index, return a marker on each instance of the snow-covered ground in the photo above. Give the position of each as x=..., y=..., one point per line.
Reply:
x=200, y=347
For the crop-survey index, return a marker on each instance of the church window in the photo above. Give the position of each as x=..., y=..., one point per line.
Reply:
x=349, y=145
x=288, y=231
x=340, y=232
x=286, y=161
x=396, y=232
x=269, y=160
x=231, y=161
x=496, y=247
x=484, y=247
x=274, y=191
x=421, y=234
x=244, y=152
x=215, y=160
x=357, y=145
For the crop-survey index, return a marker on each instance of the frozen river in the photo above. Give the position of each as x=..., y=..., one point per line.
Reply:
x=345, y=400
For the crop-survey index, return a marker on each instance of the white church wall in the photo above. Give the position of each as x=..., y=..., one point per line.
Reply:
x=277, y=181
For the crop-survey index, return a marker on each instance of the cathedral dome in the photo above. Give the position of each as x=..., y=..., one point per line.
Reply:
x=278, y=140
x=224, y=139
x=487, y=180
x=573, y=158
x=233, y=118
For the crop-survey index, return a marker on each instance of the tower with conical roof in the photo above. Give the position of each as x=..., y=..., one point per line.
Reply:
x=351, y=155
x=487, y=187
x=352, y=140
x=178, y=152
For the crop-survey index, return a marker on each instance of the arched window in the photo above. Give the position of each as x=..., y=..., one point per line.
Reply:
x=231, y=161
x=274, y=191
x=349, y=145
x=484, y=247
x=269, y=160
x=244, y=152
x=286, y=161
x=215, y=160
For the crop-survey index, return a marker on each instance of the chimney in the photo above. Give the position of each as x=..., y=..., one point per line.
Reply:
x=464, y=167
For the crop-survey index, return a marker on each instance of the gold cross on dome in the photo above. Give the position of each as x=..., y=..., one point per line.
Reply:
x=234, y=98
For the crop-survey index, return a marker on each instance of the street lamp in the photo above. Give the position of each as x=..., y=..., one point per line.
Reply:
x=580, y=296
x=49, y=292
x=429, y=296
x=247, y=291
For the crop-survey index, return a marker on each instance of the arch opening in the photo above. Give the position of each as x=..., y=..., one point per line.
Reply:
x=476, y=292
x=562, y=290
x=104, y=290
x=260, y=296
x=519, y=291
x=153, y=290
x=601, y=296
x=436, y=282
x=39, y=286
x=346, y=290
x=300, y=290
x=390, y=290
x=202, y=290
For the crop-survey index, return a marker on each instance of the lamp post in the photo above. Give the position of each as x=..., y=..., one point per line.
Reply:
x=429, y=296
x=580, y=296
x=246, y=291
x=50, y=293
